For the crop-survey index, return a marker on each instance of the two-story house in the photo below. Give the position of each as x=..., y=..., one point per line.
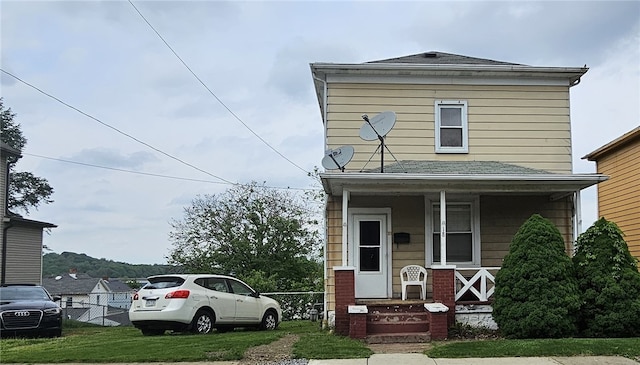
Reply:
x=472, y=148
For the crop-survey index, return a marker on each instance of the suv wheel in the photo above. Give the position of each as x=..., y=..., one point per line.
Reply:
x=269, y=321
x=202, y=322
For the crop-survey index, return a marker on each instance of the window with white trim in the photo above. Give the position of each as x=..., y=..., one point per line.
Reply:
x=451, y=126
x=463, y=233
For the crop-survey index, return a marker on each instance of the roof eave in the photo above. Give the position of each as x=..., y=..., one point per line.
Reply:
x=613, y=145
x=570, y=73
x=336, y=183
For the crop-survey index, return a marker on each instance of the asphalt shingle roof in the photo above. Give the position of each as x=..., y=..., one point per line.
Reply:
x=442, y=58
x=83, y=284
x=457, y=168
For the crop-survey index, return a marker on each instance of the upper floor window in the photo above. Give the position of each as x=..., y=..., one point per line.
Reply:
x=451, y=126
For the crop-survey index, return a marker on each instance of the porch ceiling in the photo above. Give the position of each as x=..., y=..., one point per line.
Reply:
x=405, y=183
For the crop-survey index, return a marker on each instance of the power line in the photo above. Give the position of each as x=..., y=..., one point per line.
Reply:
x=115, y=129
x=212, y=93
x=123, y=170
x=148, y=173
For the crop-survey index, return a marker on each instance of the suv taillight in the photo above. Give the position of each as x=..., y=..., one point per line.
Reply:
x=178, y=294
x=135, y=296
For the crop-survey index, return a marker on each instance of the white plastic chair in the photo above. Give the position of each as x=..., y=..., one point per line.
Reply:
x=414, y=275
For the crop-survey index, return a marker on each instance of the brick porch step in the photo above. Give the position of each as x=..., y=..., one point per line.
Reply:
x=413, y=337
x=394, y=323
x=391, y=319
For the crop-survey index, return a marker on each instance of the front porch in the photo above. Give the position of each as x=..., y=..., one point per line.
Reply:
x=462, y=295
x=456, y=224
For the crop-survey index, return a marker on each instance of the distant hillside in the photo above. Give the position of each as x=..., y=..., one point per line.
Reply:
x=56, y=264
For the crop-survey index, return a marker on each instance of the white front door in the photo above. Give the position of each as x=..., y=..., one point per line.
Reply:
x=370, y=255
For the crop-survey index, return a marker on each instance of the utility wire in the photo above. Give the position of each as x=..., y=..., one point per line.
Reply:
x=123, y=170
x=116, y=129
x=213, y=94
x=147, y=173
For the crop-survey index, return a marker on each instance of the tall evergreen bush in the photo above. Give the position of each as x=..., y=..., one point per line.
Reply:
x=609, y=283
x=536, y=293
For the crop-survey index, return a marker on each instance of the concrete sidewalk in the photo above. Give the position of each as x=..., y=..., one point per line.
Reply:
x=419, y=359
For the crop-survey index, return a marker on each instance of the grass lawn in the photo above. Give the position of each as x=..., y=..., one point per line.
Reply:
x=627, y=347
x=127, y=344
x=93, y=344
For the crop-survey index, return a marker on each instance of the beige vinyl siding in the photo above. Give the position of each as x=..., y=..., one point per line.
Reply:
x=407, y=215
x=524, y=125
x=24, y=255
x=619, y=197
x=334, y=247
x=502, y=216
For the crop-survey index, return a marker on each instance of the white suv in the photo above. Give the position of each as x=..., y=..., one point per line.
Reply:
x=200, y=303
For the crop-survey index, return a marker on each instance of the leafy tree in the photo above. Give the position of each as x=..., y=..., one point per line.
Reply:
x=26, y=190
x=609, y=281
x=264, y=236
x=536, y=294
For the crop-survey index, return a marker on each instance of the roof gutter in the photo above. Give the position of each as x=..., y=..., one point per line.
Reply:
x=335, y=183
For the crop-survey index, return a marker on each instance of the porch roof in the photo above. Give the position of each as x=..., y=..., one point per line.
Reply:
x=419, y=177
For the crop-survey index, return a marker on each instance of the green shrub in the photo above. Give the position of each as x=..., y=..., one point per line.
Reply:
x=536, y=294
x=609, y=282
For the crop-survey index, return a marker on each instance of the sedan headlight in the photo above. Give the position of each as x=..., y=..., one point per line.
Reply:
x=50, y=311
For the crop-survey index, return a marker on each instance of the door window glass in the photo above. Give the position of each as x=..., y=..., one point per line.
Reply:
x=369, y=249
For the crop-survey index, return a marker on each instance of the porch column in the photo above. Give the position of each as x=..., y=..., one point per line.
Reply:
x=443, y=228
x=344, y=277
x=444, y=290
x=345, y=226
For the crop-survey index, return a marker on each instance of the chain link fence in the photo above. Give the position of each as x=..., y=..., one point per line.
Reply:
x=112, y=309
x=299, y=305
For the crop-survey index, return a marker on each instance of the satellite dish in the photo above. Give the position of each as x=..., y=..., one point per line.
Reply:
x=337, y=158
x=378, y=126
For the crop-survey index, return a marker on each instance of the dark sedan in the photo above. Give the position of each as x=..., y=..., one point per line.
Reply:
x=29, y=309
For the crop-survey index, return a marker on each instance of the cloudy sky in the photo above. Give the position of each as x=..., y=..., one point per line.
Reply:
x=153, y=136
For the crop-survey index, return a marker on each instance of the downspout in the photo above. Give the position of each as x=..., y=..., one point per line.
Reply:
x=6, y=224
x=325, y=249
x=326, y=229
x=577, y=217
x=5, y=228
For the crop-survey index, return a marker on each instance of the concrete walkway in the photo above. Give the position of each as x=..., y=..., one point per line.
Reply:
x=419, y=359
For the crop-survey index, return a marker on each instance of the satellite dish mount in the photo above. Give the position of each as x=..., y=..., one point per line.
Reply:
x=377, y=128
x=338, y=158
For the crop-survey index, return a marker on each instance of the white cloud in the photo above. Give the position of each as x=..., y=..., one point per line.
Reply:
x=102, y=58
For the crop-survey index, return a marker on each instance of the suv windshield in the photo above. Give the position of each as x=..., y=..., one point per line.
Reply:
x=8, y=293
x=164, y=282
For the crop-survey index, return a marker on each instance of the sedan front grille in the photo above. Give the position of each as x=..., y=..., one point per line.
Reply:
x=21, y=319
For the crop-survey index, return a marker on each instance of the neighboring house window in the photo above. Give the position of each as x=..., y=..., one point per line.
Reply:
x=69, y=302
x=463, y=233
x=451, y=126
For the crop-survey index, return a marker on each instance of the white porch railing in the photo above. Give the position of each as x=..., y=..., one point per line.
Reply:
x=485, y=279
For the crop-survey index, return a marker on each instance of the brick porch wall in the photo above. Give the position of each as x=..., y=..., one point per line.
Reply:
x=345, y=296
x=444, y=290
